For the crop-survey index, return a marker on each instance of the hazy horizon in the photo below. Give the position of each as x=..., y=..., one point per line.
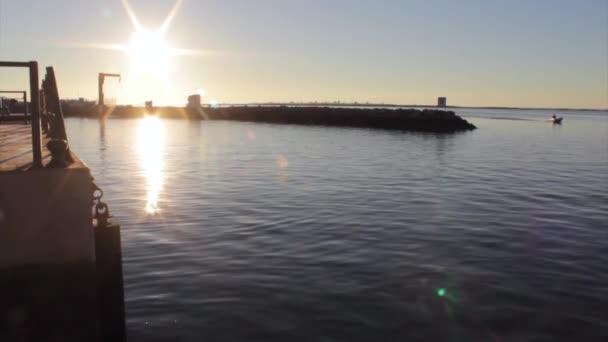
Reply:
x=110, y=102
x=546, y=54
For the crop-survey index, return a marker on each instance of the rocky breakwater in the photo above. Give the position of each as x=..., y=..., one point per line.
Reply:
x=427, y=120
x=438, y=121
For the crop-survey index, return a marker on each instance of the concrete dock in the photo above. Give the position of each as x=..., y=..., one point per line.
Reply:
x=47, y=254
x=60, y=257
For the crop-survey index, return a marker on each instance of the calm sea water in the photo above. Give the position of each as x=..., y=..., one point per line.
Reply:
x=255, y=232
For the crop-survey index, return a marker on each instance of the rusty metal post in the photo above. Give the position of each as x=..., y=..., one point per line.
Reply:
x=35, y=99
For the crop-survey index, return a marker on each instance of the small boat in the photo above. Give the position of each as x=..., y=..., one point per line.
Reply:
x=556, y=120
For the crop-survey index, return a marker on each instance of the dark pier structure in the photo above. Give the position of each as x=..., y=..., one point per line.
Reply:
x=60, y=256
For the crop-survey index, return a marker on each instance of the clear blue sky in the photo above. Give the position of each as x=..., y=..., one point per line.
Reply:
x=551, y=53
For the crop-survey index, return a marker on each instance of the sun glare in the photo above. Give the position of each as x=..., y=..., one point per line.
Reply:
x=149, y=51
x=150, y=145
x=149, y=76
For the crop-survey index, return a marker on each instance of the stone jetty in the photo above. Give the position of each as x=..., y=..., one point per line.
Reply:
x=427, y=120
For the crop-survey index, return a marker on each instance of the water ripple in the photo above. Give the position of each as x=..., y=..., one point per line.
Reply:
x=269, y=232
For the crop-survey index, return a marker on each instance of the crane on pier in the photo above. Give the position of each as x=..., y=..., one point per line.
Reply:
x=101, y=79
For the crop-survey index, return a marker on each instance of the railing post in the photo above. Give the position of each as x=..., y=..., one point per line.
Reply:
x=43, y=109
x=59, y=147
x=25, y=106
x=35, y=100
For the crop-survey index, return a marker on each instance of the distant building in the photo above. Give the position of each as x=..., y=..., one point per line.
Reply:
x=148, y=104
x=442, y=102
x=194, y=101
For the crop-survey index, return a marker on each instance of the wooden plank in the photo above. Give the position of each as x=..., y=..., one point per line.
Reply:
x=16, y=147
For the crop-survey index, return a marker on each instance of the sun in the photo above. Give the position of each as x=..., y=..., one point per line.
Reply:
x=152, y=58
x=149, y=51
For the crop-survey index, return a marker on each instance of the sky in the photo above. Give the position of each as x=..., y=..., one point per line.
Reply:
x=518, y=53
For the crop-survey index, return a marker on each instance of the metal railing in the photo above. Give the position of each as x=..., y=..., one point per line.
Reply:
x=24, y=96
x=48, y=120
x=35, y=106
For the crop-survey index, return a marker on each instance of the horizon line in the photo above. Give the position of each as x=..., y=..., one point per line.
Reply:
x=361, y=104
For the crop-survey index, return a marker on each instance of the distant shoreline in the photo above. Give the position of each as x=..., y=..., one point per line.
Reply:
x=356, y=104
x=364, y=104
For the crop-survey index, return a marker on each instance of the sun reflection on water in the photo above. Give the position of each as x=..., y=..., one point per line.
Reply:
x=150, y=146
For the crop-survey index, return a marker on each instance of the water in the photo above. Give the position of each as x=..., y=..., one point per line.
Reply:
x=257, y=232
